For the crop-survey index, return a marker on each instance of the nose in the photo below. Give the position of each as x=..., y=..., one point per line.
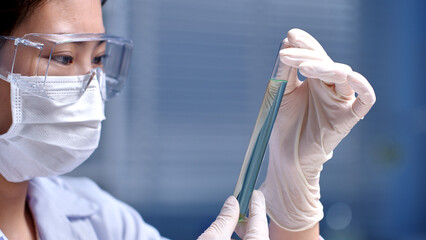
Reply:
x=85, y=66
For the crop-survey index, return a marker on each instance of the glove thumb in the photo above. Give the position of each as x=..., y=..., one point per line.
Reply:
x=257, y=227
x=224, y=225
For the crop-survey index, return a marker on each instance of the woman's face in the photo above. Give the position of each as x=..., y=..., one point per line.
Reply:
x=55, y=16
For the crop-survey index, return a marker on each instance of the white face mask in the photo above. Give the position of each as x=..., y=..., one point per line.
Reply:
x=48, y=138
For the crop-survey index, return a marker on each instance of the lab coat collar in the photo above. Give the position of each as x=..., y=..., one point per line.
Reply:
x=52, y=202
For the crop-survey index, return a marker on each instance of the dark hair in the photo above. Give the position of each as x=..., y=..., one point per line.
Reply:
x=13, y=12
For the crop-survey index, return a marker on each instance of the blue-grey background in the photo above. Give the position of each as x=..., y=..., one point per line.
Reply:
x=174, y=140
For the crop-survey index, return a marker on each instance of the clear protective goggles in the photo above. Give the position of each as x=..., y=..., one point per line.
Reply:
x=32, y=61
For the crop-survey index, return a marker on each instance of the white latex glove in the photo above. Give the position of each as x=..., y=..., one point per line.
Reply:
x=314, y=116
x=253, y=228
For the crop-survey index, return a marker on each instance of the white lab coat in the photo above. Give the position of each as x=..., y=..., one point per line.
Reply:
x=76, y=208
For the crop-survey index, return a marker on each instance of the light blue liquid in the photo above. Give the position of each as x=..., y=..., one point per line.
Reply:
x=258, y=143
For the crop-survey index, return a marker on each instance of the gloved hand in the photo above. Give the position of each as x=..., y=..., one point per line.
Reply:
x=314, y=116
x=253, y=228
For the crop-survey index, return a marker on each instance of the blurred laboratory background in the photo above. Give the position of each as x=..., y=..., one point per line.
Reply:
x=174, y=140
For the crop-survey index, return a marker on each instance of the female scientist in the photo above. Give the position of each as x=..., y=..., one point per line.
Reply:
x=57, y=68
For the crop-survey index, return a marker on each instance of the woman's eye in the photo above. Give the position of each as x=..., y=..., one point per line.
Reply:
x=98, y=60
x=64, y=60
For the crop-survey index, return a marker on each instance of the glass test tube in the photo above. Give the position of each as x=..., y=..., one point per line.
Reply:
x=261, y=133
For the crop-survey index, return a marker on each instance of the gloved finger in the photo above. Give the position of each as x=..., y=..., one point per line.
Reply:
x=286, y=72
x=331, y=73
x=257, y=226
x=302, y=39
x=224, y=225
x=366, y=96
x=293, y=57
x=241, y=227
x=285, y=44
